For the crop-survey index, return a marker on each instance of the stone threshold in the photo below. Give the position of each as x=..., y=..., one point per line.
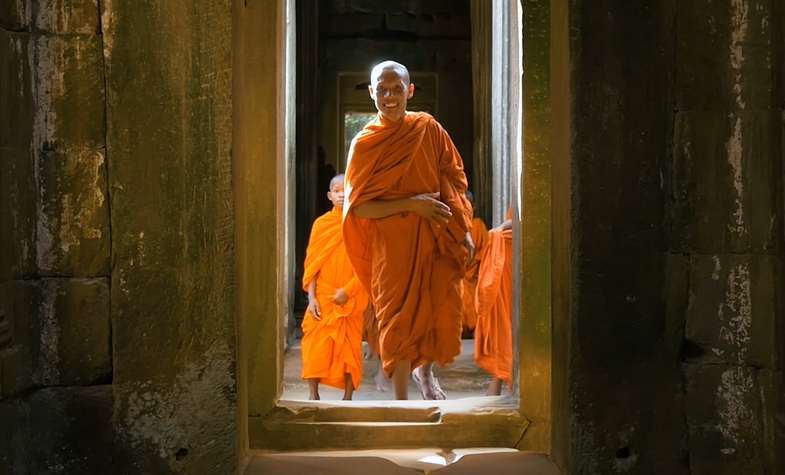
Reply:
x=495, y=460
x=400, y=411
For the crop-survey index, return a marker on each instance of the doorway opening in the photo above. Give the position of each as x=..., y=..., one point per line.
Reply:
x=267, y=326
x=337, y=43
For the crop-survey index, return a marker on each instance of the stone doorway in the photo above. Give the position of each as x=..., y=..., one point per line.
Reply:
x=264, y=339
x=336, y=45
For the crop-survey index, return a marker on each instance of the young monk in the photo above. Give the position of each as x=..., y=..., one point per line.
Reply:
x=333, y=323
x=407, y=232
x=469, y=284
x=493, y=333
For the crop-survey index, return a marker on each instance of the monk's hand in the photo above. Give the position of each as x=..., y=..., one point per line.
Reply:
x=340, y=297
x=469, y=243
x=507, y=224
x=428, y=206
x=314, y=308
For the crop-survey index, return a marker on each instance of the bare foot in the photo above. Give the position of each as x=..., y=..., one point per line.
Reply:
x=383, y=383
x=494, y=387
x=313, y=386
x=448, y=455
x=440, y=395
x=426, y=382
x=367, y=351
x=400, y=379
x=348, y=387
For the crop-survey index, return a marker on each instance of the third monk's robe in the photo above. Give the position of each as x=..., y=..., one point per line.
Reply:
x=469, y=284
x=332, y=346
x=493, y=333
x=411, y=267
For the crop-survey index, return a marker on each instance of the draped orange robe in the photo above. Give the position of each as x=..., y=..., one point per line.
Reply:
x=332, y=346
x=493, y=333
x=469, y=284
x=411, y=267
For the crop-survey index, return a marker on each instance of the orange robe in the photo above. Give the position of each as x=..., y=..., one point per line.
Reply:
x=411, y=267
x=469, y=284
x=493, y=334
x=371, y=333
x=332, y=346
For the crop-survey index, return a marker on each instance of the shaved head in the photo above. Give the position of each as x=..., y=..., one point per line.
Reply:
x=398, y=68
x=390, y=89
x=336, y=179
x=335, y=193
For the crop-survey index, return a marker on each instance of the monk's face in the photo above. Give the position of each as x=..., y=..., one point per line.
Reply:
x=335, y=195
x=390, y=93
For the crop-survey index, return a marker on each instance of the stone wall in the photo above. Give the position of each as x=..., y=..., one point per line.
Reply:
x=116, y=252
x=676, y=346
x=55, y=348
x=726, y=227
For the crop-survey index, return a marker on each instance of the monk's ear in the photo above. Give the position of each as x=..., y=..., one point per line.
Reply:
x=370, y=92
x=411, y=90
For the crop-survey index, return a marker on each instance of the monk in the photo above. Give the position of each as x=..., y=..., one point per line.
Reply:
x=407, y=232
x=469, y=284
x=333, y=323
x=493, y=333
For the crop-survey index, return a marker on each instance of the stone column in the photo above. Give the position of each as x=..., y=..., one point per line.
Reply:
x=480, y=183
x=503, y=121
x=308, y=187
x=169, y=71
x=617, y=380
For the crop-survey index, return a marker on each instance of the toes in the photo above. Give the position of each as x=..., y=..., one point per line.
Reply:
x=440, y=394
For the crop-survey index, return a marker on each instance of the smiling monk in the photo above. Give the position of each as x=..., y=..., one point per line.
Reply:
x=407, y=232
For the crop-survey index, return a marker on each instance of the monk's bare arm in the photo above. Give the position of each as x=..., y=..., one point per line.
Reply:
x=426, y=205
x=468, y=241
x=376, y=209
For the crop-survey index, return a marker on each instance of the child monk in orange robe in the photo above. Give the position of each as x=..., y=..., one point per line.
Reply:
x=333, y=323
x=407, y=232
x=493, y=333
x=469, y=284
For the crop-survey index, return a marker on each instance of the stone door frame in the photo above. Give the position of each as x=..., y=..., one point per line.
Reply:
x=523, y=421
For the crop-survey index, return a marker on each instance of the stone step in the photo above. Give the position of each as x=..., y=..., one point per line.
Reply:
x=498, y=461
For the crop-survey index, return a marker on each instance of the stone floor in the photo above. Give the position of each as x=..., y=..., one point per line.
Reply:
x=461, y=379
x=498, y=461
